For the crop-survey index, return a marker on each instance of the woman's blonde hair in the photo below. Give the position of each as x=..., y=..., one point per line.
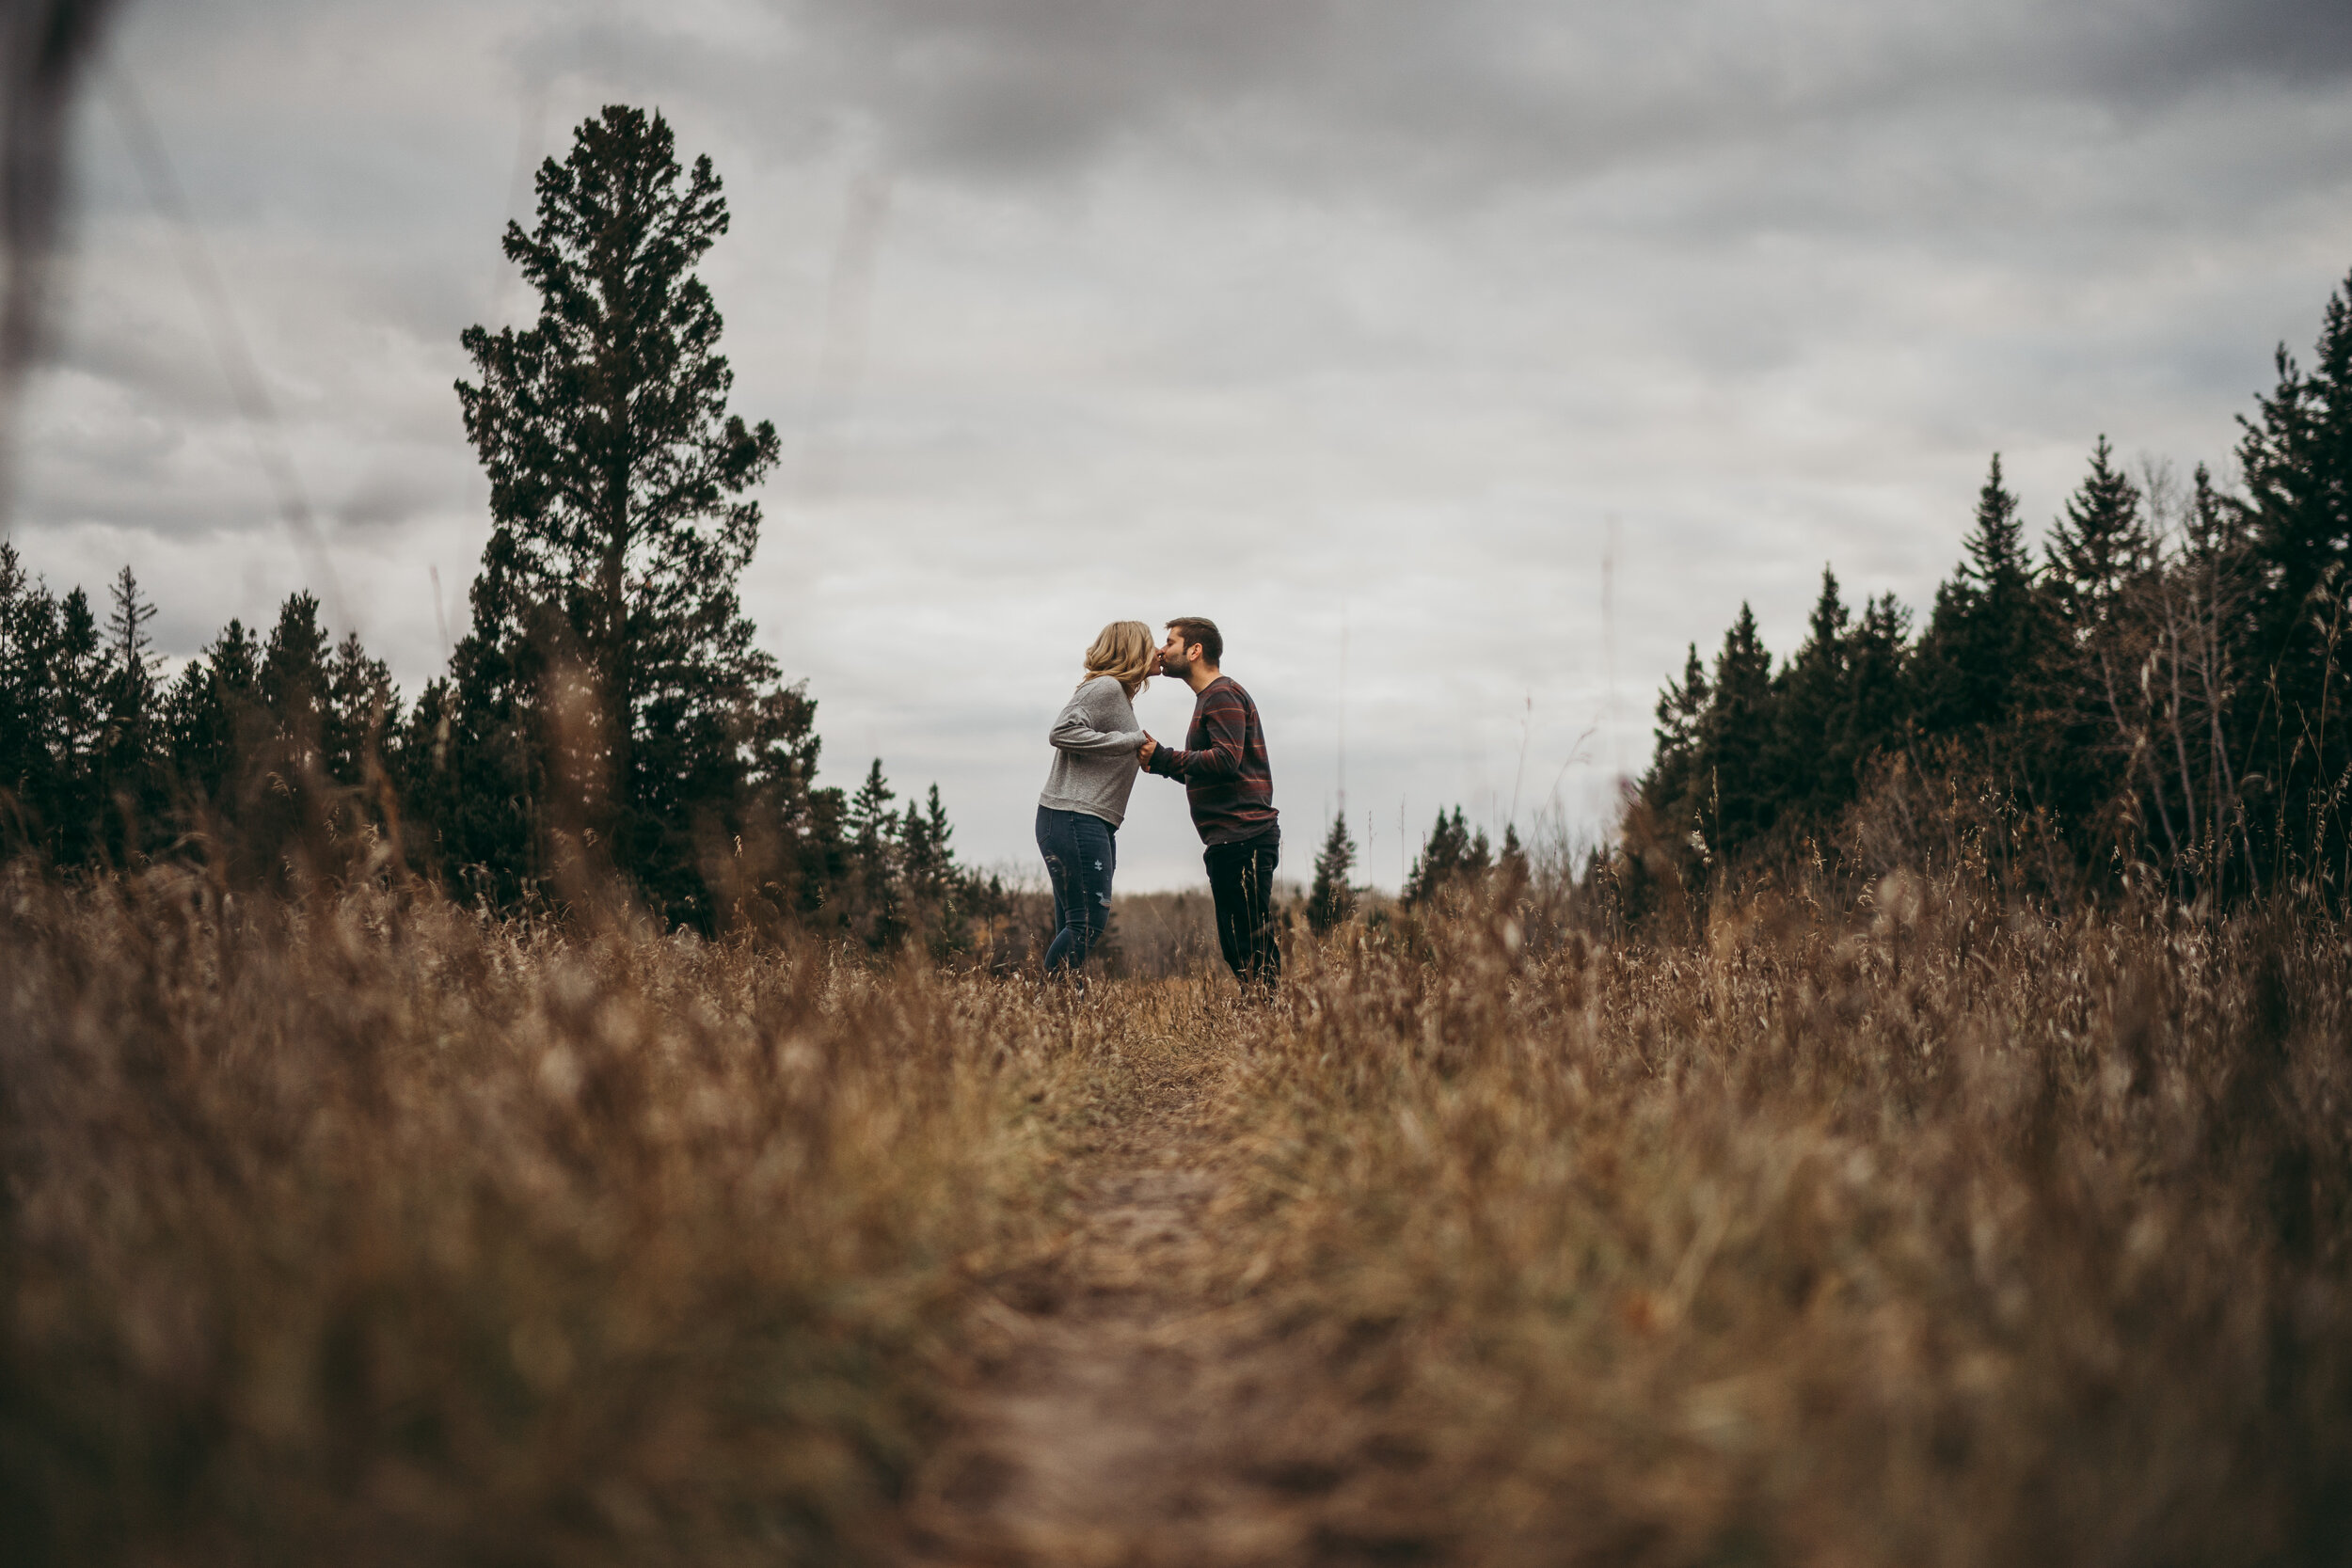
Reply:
x=1124, y=651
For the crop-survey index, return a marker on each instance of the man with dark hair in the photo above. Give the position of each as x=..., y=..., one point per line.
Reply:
x=1229, y=786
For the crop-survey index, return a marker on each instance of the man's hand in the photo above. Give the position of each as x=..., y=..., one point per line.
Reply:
x=1143, y=752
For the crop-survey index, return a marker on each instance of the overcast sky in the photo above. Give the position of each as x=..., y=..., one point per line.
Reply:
x=1352, y=324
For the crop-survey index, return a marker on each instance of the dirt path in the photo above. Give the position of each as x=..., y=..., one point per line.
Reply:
x=1126, y=1420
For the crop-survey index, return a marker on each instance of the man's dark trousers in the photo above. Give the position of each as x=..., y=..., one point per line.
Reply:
x=1241, y=880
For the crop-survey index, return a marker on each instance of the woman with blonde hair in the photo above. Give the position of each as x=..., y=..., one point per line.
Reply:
x=1094, y=741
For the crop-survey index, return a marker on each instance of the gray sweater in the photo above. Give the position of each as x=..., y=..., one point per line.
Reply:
x=1094, y=753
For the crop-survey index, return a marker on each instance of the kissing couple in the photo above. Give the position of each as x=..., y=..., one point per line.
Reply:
x=1099, y=748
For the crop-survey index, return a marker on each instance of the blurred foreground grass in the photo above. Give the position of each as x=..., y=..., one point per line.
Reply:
x=362, y=1230
x=1940, y=1234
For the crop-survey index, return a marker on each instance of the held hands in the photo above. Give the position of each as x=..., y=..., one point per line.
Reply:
x=1143, y=752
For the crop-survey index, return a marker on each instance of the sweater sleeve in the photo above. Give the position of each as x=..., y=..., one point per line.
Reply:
x=1077, y=730
x=1225, y=725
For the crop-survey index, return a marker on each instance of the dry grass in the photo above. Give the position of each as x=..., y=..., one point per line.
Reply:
x=1946, y=1236
x=361, y=1231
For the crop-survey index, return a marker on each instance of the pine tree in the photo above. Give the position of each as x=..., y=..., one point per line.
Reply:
x=1998, y=563
x=2087, y=733
x=941, y=898
x=609, y=661
x=1982, y=633
x=879, y=912
x=212, y=716
x=2098, y=546
x=1812, y=772
x=925, y=860
x=2295, y=457
x=1667, y=788
x=78, y=727
x=1332, y=899
x=292, y=686
x=870, y=814
x=1877, y=690
x=1449, y=856
x=1511, y=862
x=1736, y=794
x=130, y=651
x=130, y=760
x=361, y=708
x=28, y=701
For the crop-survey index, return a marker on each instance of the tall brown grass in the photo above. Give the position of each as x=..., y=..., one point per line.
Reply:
x=1938, y=1231
x=1926, y=1229
x=358, y=1229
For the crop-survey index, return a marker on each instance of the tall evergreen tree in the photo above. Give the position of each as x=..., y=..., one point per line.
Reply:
x=609, y=683
x=878, y=913
x=130, y=651
x=1812, y=770
x=2099, y=546
x=1878, y=697
x=1450, y=855
x=2295, y=455
x=130, y=760
x=871, y=818
x=942, y=897
x=212, y=715
x=78, y=727
x=1681, y=715
x=927, y=856
x=2295, y=459
x=2089, y=733
x=362, y=709
x=1735, y=793
x=1980, y=635
x=292, y=686
x=1332, y=897
x=1511, y=862
x=28, y=703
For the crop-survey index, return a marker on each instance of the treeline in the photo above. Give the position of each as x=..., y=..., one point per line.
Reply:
x=2154, y=693
x=281, y=755
x=608, y=723
x=1454, y=858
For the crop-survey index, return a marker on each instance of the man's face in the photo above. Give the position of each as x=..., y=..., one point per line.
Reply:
x=1175, y=658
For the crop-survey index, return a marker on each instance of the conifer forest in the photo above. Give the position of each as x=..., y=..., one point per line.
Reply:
x=608, y=720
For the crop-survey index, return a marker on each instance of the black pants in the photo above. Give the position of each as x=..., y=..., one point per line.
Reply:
x=1241, y=879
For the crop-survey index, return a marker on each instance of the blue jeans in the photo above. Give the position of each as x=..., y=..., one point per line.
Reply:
x=1081, y=853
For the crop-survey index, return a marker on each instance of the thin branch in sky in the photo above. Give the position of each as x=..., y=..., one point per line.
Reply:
x=231, y=347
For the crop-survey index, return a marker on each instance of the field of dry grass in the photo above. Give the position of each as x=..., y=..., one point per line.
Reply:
x=363, y=1230
x=1945, y=1235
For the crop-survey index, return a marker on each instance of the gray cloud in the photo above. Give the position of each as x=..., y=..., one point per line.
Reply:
x=1399, y=94
x=1365, y=308
x=2180, y=42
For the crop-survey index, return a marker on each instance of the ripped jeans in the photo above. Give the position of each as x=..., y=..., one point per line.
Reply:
x=1081, y=853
